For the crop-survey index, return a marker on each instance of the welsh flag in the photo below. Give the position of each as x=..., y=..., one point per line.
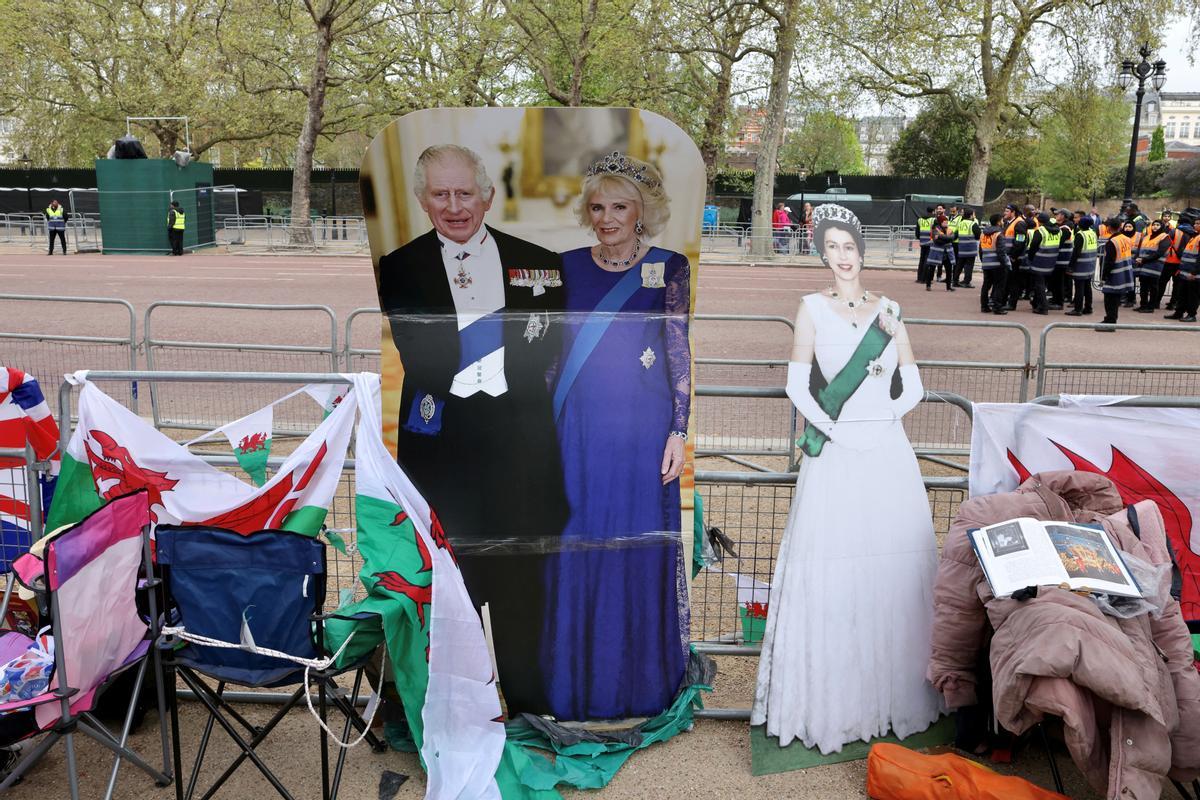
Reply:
x=1149, y=453
x=250, y=438
x=113, y=451
x=420, y=608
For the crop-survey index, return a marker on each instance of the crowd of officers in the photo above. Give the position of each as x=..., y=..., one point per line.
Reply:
x=1052, y=258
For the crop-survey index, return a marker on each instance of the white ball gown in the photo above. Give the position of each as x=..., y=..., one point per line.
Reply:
x=847, y=639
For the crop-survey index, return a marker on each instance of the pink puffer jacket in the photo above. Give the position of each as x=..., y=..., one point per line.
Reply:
x=1127, y=690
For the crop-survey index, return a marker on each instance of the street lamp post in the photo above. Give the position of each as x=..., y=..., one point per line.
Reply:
x=25, y=162
x=1130, y=72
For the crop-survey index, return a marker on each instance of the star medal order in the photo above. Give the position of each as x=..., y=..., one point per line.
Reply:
x=427, y=408
x=648, y=358
x=534, y=328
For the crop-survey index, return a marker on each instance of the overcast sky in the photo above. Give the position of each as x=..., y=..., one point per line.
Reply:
x=1181, y=76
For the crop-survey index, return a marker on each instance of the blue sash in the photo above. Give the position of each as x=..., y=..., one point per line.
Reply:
x=593, y=330
x=482, y=337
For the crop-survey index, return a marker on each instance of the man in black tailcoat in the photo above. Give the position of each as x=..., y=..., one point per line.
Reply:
x=476, y=317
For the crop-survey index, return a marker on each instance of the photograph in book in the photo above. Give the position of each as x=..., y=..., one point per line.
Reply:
x=535, y=270
x=1085, y=554
x=1019, y=553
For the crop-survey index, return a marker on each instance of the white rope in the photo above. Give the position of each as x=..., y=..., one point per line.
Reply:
x=314, y=663
x=372, y=705
x=308, y=664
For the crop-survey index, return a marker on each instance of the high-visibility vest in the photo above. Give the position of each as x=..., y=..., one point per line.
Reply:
x=924, y=226
x=1010, y=235
x=954, y=221
x=1120, y=279
x=937, y=250
x=1085, y=264
x=1173, y=252
x=1047, y=253
x=179, y=220
x=1189, y=260
x=55, y=220
x=1065, y=247
x=989, y=255
x=968, y=245
x=1148, y=246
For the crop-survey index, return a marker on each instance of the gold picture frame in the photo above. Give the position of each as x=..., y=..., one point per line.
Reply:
x=561, y=187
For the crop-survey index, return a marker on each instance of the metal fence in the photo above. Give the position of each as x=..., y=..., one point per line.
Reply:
x=1136, y=374
x=201, y=407
x=343, y=234
x=49, y=355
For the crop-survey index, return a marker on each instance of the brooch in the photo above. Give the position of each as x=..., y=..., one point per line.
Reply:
x=652, y=275
x=874, y=368
x=648, y=358
x=428, y=407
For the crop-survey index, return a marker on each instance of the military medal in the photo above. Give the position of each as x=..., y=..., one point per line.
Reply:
x=427, y=408
x=648, y=358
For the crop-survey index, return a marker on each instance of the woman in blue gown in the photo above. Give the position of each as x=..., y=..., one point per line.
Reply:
x=615, y=642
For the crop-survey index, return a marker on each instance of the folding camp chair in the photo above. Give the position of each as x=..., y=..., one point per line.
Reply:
x=250, y=613
x=89, y=574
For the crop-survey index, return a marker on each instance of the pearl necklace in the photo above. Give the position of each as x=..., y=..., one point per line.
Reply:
x=853, y=305
x=637, y=246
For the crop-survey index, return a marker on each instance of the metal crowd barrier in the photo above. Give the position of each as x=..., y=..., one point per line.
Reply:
x=48, y=356
x=1134, y=377
x=28, y=478
x=186, y=409
x=342, y=233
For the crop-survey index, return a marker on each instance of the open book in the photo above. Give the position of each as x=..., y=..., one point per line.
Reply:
x=1027, y=552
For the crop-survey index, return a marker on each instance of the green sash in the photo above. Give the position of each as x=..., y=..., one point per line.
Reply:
x=834, y=395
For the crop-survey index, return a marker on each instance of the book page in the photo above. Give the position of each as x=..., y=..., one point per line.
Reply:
x=1091, y=561
x=1016, y=554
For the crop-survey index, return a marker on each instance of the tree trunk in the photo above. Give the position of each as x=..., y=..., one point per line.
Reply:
x=300, y=231
x=773, y=125
x=712, y=141
x=986, y=127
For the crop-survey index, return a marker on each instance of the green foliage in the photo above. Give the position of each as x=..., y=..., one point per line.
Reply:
x=1147, y=179
x=937, y=144
x=1082, y=139
x=1158, y=146
x=825, y=141
x=1182, y=178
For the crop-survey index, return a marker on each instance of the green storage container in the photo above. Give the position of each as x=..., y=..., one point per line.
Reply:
x=135, y=195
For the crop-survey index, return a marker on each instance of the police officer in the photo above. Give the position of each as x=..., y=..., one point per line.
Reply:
x=176, y=222
x=968, y=248
x=1084, y=251
x=993, y=264
x=56, y=225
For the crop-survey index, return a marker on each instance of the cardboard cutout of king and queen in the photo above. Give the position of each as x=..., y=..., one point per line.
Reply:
x=535, y=270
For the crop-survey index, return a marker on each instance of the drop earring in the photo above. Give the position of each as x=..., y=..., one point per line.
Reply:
x=639, y=228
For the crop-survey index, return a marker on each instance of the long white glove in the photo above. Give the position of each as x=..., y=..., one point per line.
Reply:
x=798, y=378
x=912, y=391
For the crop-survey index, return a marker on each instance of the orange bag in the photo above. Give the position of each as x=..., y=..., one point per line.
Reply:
x=897, y=773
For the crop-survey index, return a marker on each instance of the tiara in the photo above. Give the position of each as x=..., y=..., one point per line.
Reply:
x=615, y=163
x=830, y=212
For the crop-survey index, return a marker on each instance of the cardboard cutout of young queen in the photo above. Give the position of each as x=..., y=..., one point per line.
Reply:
x=847, y=639
x=544, y=382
